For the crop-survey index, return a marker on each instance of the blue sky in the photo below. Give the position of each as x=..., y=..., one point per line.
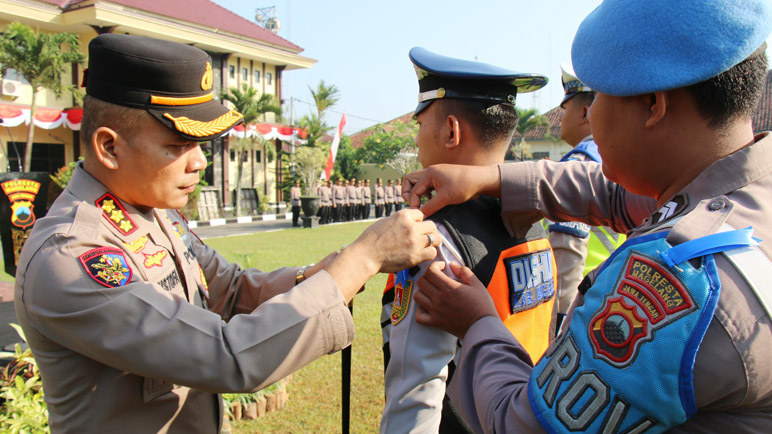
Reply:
x=362, y=46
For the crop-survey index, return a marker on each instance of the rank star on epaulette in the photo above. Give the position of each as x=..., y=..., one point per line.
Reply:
x=116, y=214
x=107, y=265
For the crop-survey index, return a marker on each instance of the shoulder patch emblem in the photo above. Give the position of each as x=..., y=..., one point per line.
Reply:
x=402, y=295
x=107, y=265
x=617, y=329
x=116, y=214
x=531, y=280
x=155, y=259
x=21, y=194
x=137, y=245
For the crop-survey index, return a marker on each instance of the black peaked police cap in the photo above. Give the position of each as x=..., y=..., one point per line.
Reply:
x=172, y=81
x=447, y=77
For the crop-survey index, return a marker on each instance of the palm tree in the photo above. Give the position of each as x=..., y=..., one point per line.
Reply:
x=527, y=120
x=40, y=59
x=251, y=106
x=325, y=96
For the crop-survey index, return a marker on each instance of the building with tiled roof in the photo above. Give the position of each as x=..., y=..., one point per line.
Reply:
x=357, y=139
x=241, y=51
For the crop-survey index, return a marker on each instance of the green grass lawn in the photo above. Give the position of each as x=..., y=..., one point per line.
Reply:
x=5, y=277
x=315, y=391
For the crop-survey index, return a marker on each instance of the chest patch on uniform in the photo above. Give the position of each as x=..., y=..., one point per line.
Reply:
x=137, y=245
x=116, y=214
x=155, y=259
x=617, y=329
x=179, y=231
x=402, y=295
x=170, y=281
x=106, y=265
x=530, y=279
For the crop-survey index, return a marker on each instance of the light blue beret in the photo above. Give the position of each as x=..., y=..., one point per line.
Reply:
x=631, y=47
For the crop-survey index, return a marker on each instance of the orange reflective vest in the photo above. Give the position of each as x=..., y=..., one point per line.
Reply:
x=520, y=274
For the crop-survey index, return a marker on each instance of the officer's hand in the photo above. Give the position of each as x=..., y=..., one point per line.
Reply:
x=401, y=240
x=389, y=245
x=451, y=184
x=450, y=305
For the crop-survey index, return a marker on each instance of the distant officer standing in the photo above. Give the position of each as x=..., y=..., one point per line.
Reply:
x=579, y=248
x=398, y=195
x=389, y=192
x=354, y=199
x=380, y=198
x=367, y=195
x=325, y=202
x=295, y=201
x=338, y=199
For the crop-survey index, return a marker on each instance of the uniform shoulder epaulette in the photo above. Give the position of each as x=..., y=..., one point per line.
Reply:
x=116, y=214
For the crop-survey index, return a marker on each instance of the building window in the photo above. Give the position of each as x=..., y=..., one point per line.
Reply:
x=257, y=157
x=232, y=71
x=257, y=76
x=268, y=77
x=244, y=74
x=540, y=156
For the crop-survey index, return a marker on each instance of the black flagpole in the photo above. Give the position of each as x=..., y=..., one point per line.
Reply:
x=346, y=381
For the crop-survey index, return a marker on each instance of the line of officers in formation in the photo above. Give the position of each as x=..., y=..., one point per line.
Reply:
x=349, y=200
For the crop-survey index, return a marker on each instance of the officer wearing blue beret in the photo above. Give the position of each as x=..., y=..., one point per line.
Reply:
x=466, y=115
x=673, y=333
x=136, y=324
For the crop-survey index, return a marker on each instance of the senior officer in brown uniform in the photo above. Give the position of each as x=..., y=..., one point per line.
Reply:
x=112, y=288
x=673, y=332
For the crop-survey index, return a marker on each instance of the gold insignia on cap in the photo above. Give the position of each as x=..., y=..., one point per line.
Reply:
x=441, y=92
x=171, y=100
x=202, y=129
x=207, y=79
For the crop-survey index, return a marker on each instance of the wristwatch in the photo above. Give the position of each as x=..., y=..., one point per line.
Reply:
x=301, y=276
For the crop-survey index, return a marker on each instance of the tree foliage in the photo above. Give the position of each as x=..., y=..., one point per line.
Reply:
x=325, y=96
x=392, y=144
x=309, y=162
x=41, y=58
x=251, y=105
x=346, y=163
x=527, y=120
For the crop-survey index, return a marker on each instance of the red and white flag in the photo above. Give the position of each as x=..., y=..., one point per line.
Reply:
x=333, y=149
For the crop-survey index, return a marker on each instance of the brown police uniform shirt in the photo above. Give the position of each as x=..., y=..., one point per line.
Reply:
x=325, y=196
x=295, y=196
x=111, y=301
x=380, y=195
x=338, y=195
x=352, y=192
x=366, y=195
x=732, y=374
x=389, y=191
